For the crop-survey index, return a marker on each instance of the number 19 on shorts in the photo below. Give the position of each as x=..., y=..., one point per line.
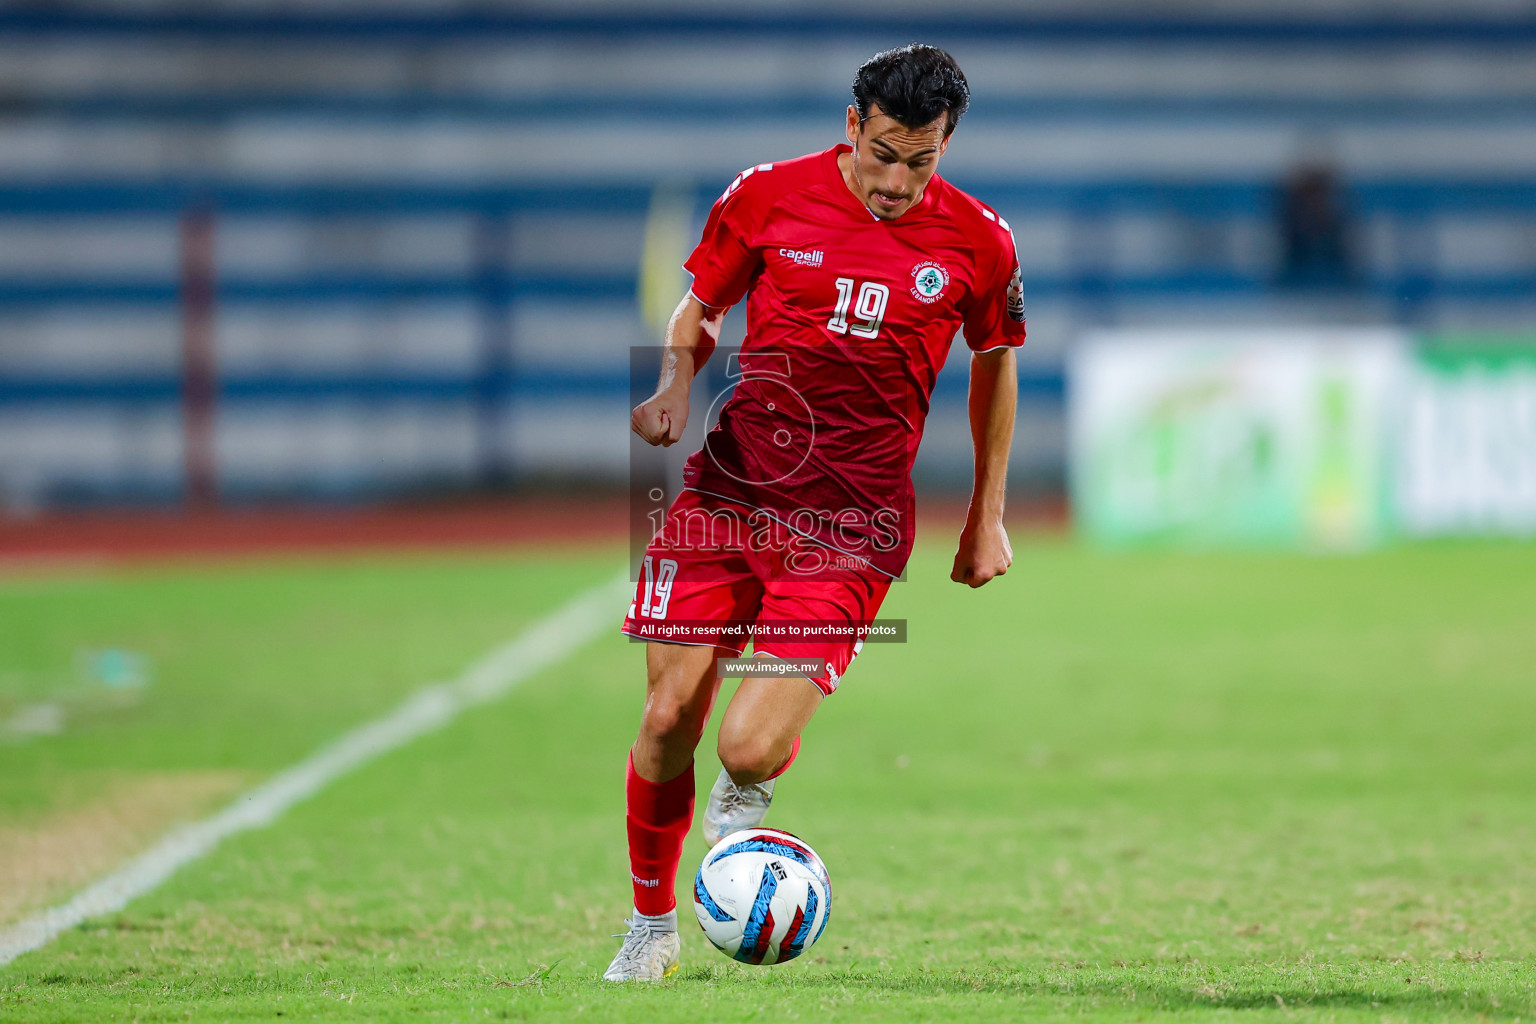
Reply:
x=658, y=587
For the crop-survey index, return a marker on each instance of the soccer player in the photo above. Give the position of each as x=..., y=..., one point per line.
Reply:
x=859, y=265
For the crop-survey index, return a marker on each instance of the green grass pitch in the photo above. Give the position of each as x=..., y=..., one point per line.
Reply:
x=1114, y=787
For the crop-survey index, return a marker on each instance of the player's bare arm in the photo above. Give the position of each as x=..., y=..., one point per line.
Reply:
x=691, y=336
x=984, y=549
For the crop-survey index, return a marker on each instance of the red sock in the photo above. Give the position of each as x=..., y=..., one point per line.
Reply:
x=658, y=817
x=794, y=752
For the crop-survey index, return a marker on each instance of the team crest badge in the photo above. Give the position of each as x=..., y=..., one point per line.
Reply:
x=929, y=281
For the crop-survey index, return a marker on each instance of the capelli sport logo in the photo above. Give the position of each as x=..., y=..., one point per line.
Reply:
x=804, y=257
x=929, y=280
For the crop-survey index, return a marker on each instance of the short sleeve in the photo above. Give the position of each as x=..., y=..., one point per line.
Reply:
x=995, y=318
x=723, y=262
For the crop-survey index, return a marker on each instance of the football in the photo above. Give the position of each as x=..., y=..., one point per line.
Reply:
x=762, y=896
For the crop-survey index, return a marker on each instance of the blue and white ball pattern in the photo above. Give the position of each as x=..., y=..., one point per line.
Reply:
x=762, y=896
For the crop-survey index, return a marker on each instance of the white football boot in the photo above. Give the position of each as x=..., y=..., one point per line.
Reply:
x=732, y=807
x=650, y=951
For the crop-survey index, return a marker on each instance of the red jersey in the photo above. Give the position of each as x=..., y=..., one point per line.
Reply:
x=849, y=319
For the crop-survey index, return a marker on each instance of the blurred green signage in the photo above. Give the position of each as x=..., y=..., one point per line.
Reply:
x=1208, y=437
x=1467, y=451
x=1324, y=439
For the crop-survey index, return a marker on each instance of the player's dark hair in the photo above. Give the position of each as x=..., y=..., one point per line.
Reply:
x=914, y=84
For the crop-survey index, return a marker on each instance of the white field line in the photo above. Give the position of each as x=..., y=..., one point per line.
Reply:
x=543, y=644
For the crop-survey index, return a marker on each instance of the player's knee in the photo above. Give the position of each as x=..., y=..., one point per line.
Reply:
x=748, y=757
x=669, y=719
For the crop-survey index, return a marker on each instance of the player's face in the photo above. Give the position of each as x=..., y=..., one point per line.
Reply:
x=891, y=163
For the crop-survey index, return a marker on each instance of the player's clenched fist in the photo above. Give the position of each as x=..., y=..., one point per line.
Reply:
x=661, y=418
x=984, y=554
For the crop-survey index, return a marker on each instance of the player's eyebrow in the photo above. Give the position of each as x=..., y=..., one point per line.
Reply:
x=886, y=145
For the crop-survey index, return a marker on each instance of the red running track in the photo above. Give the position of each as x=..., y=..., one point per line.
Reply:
x=118, y=535
x=154, y=535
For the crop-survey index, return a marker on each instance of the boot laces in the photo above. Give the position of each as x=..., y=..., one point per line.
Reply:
x=635, y=939
x=740, y=798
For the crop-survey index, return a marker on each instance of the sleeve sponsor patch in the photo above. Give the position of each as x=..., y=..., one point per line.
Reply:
x=1016, y=296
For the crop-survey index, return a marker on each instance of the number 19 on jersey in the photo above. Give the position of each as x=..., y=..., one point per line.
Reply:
x=869, y=309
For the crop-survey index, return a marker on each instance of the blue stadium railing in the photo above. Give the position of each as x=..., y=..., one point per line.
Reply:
x=723, y=22
x=1406, y=198
x=1414, y=203
x=383, y=287
x=670, y=106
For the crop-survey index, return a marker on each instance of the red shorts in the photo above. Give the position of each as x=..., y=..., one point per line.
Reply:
x=718, y=574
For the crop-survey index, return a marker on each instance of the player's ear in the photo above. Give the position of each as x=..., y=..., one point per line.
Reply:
x=853, y=125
